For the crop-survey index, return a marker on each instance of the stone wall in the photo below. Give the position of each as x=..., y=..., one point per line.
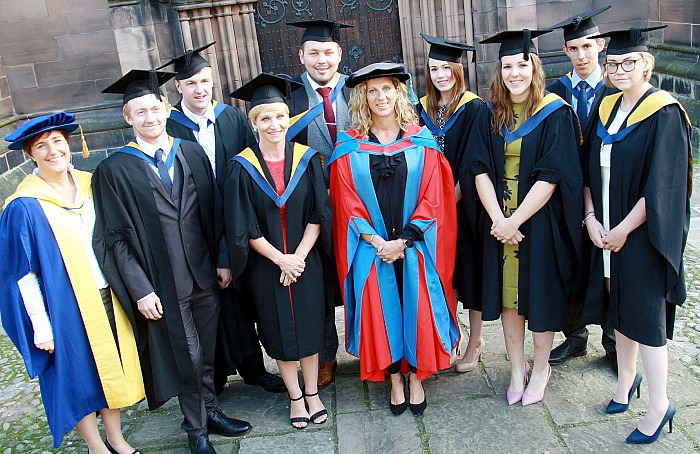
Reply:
x=59, y=54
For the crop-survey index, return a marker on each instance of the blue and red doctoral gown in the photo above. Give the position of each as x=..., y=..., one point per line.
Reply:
x=380, y=328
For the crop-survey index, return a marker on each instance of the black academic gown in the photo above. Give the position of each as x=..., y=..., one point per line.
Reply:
x=558, y=88
x=467, y=275
x=298, y=104
x=232, y=134
x=549, y=255
x=290, y=319
x=647, y=279
x=127, y=217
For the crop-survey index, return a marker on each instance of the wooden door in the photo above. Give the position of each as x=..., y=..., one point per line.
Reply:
x=376, y=35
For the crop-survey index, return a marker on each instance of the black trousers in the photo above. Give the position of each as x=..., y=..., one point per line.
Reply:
x=200, y=314
x=577, y=333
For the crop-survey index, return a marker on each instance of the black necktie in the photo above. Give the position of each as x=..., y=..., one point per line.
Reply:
x=163, y=170
x=582, y=103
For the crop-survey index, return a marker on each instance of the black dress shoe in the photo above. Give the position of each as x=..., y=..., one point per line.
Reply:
x=200, y=444
x=220, y=424
x=566, y=350
x=267, y=381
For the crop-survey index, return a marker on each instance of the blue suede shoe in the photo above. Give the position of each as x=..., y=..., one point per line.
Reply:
x=615, y=407
x=638, y=438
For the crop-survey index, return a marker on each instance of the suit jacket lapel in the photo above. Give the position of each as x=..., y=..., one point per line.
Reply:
x=319, y=123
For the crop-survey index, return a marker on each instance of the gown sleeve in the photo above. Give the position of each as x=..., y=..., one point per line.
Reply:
x=666, y=194
x=239, y=217
x=19, y=251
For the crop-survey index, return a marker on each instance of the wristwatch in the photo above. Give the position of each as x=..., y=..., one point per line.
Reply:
x=408, y=243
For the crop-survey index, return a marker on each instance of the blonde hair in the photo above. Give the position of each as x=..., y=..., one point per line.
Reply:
x=433, y=96
x=361, y=116
x=648, y=59
x=502, y=104
x=255, y=111
x=126, y=109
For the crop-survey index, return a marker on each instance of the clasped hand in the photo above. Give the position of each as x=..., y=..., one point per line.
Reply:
x=612, y=241
x=292, y=266
x=390, y=251
x=506, y=231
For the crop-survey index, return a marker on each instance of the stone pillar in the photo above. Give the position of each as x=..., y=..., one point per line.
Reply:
x=231, y=23
x=444, y=18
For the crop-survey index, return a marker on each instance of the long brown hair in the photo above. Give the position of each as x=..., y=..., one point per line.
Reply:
x=500, y=97
x=433, y=95
x=361, y=116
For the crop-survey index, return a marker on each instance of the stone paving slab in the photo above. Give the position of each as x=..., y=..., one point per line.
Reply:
x=689, y=419
x=378, y=431
x=610, y=438
x=298, y=442
x=488, y=425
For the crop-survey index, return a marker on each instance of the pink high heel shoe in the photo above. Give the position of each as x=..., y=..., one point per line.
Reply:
x=529, y=399
x=516, y=396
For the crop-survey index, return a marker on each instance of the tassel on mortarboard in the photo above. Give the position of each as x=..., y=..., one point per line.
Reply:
x=527, y=37
x=86, y=151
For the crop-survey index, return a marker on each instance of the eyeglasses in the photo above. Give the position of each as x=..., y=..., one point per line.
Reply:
x=627, y=66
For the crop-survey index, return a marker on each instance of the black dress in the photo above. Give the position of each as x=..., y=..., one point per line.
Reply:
x=646, y=276
x=290, y=319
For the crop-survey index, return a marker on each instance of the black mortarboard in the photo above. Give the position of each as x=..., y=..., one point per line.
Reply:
x=580, y=25
x=321, y=30
x=514, y=42
x=139, y=82
x=266, y=89
x=189, y=63
x=626, y=41
x=375, y=70
x=446, y=50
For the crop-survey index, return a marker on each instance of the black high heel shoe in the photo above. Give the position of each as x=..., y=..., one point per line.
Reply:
x=638, y=438
x=114, y=451
x=615, y=407
x=398, y=409
x=418, y=409
x=319, y=413
x=298, y=419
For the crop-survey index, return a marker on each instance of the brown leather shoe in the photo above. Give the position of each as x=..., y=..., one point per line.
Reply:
x=325, y=372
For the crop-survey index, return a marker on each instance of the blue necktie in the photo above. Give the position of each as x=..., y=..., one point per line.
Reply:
x=163, y=170
x=582, y=103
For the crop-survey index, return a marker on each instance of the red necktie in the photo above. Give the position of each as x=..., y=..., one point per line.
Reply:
x=328, y=114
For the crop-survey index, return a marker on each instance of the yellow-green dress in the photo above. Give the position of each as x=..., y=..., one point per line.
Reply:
x=510, y=204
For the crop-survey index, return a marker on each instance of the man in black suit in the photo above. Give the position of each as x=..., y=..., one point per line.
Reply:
x=158, y=241
x=223, y=131
x=584, y=89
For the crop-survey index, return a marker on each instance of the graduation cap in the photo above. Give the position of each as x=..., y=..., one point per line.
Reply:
x=321, y=30
x=39, y=125
x=375, y=70
x=446, y=50
x=514, y=42
x=580, y=25
x=266, y=89
x=139, y=82
x=626, y=41
x=189, y=63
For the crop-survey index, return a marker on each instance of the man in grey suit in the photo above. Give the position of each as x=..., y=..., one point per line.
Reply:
x=162, y=251
x=322, y=105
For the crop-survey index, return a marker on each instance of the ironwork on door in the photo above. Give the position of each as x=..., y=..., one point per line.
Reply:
x=376, y=35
